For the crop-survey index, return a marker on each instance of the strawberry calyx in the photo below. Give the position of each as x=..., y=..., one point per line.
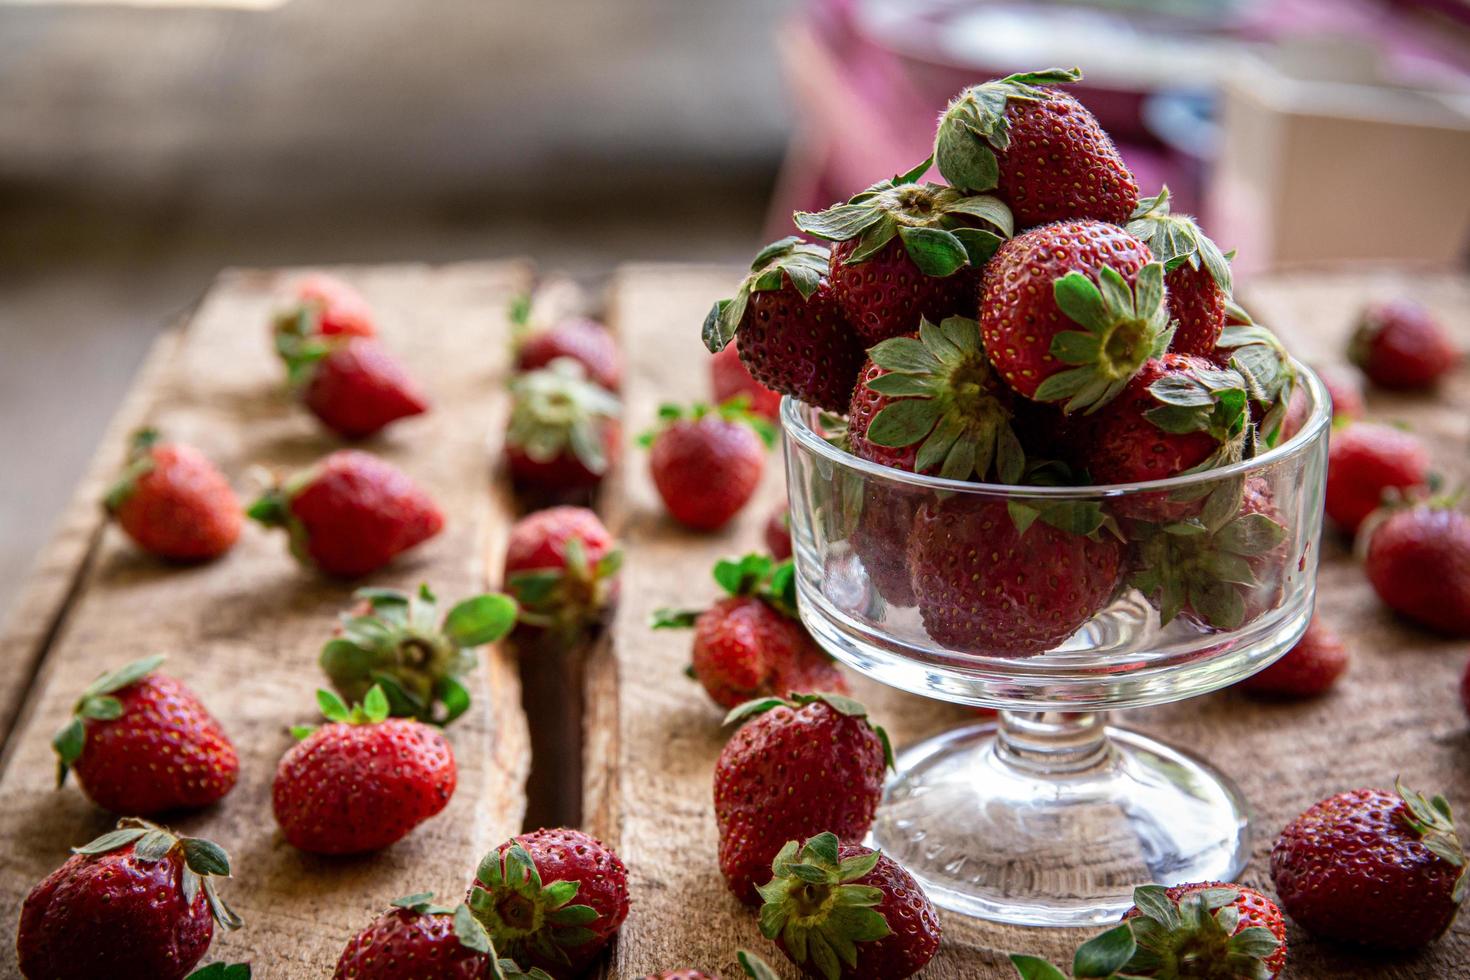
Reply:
x=1123, y=327
x=557, y=410
x=755, y=967
x=97, y=704
x=843, y=705
x=735, y=409
x=470, y=933
x=937, y=224
x=1199, y=936
x=1432, y=821
x=372, y=710
x=1100, y=958
x=802, y=264
x=221, y=971
x=203, y=860
x=1203, y=399
x=567, y=598
x=1267, y=369
x=756, y=574
x=974, y=127
x=522, y=913
x=1176, y=239
x=139, y=463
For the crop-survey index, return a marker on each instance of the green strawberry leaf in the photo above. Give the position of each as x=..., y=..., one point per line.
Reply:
x=480, y=620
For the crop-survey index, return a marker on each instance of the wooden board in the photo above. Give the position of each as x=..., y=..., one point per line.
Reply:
x=653, y=737
x=244, y=632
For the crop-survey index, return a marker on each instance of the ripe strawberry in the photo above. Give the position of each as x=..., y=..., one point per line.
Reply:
x=1010, y=580
x=820, y=909
x=585, y=341
x=1196, y=273
x=1071, y=311
x=778, y=532
x=1346, y=392
x=324, y=305
x=137, y=903
x=362, y=781
x=752, y=644
x=141, y=743
x=1401, y=345
x=523, y=895
x=729, y=379
x=1372, y=868
x=1040, y=149
x=785, y=322
x=398, y=641
x=707, y=462
x=1365, y=461
x=907, y=250
x=416, y=939
x=1308, y=669
x=880, y=538
x=173, y=502
x=1418, y=561
x=793, y=768
x=352, y=384
x=563, y=433
x=561, y=566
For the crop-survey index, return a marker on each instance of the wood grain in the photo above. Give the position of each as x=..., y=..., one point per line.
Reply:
x=653, y=737
x=244, y=632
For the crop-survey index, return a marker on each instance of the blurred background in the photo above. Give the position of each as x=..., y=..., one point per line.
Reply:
x=145, y=145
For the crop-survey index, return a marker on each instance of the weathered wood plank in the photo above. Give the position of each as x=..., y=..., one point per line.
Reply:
x=244, y=632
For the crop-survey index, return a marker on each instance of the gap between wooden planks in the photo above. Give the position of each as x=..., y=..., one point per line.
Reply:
x=653, y=737
x=244, y=632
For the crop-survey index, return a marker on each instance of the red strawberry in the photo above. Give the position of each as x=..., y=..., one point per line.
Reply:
x=1010, y=579
x=350, y=514
x=137, y=903
x=752, y=644
x=1196, y=273
x=325, y=305
x=1052, y=333
x=815, y=761
x=417, y=939
x=880, y=538
x=786, y=324
x=398, y=641
x=1236, y=930
x=141, y=743
x=1372, y=868
x=563, y=433
x=585, y=341
x=1364, y=462
x=778, y=532
x=1346, y=392
x=173, y=502
x=1040, y=149
x=1418, y=561
x=907, y=250
x=561, y=566
x=819, y=909
x=352, y=384
x=1401, y=345
x=707, y=463
x=551, y=898
x=1306, y=670
x=362, y=781
x=729, y=379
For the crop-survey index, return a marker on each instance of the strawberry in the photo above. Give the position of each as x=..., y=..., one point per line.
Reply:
x=1372, y=868
x=1401, y=345
x=1071, y=311
x=1010, y=579
x=563, y=433
x=793, y=768
x=1040, y=150
x=880, y=538
x=1418, y=561
x=352, y=384
x=706, y=463
x=141, y=743
x=730, y=379
x=785, y=321
x=138, y=903
x=362, y=781
x=324, y=305
x=585, y=341
x=551, y=898
x=1196, y=273
x=173, y=502
x=907, y=250
x=561, y=567
x=840, y=911
x=1307, y=670
x=931, y=403
x=415, y=936
x=752, y=644
x=398, y=641
x=1365, y=462
x=778, y=532
x=1346, y=392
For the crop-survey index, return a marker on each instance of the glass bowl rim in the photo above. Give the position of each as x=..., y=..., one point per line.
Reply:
x=1317, y=422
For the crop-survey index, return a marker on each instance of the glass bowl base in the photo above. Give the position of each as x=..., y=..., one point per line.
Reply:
x=988, y=834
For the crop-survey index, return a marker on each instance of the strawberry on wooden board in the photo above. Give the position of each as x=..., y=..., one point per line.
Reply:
x=1369, y=464
x=173, y=502
x=752, y=643
x=729, y=378
x=324, y=305
x=907, y=250
x=561, y=567
x=1372, y=868
x=418, y=940
x=1401, y=345
x=707, y=462
x=350, y=514
x=142, y=744
x=1039, y=149
x=399, y=642
x=1418, y=561
x=585, y=341
x=137, y=903
x=363, y=780
x=563, y=432
x=795, y=768
x=352, y=384
x=778, y=532
x=1308, y=669
x=551, y=899
x=840, y=911
x=1071, y=311
x=1196, y=273
x=785, y=321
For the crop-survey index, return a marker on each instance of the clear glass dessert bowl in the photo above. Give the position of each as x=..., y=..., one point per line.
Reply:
x=1055, y=605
